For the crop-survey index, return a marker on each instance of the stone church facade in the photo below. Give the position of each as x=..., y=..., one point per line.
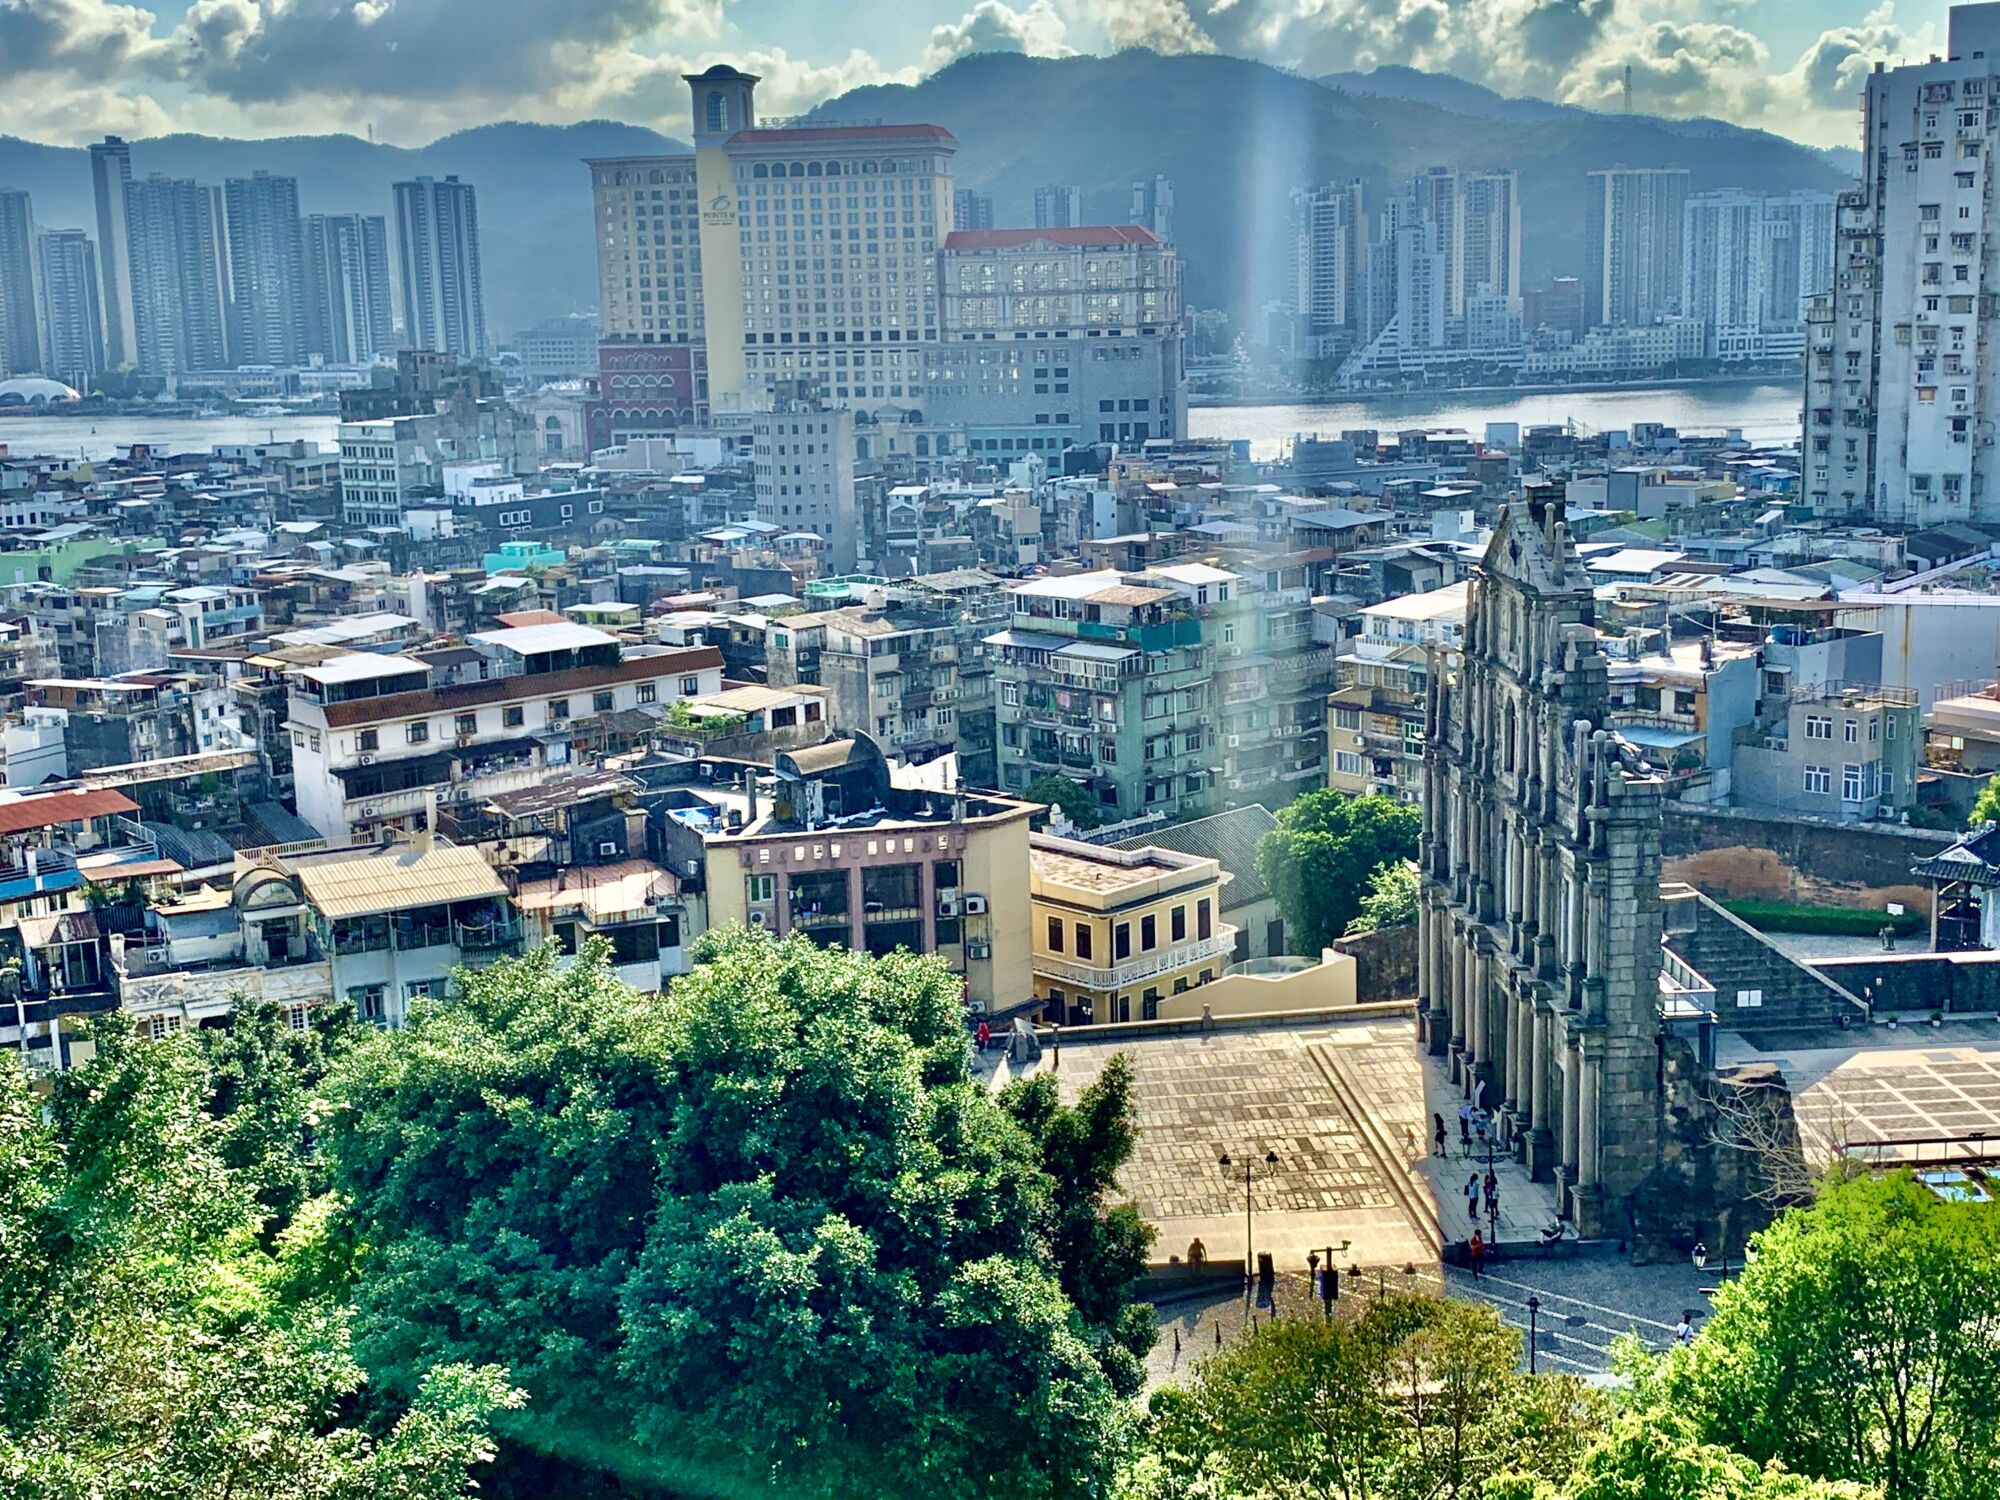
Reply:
x=1539, y=938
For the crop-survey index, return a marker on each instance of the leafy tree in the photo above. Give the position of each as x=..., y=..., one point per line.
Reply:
x=1394, y=893
x=1863, y=1344
x=1412, y=1396
x=1986, y=806
x=1071, y=796
x=149, y=1344
x=1318, y=860
x=1655, y=1455
x=767, y=1232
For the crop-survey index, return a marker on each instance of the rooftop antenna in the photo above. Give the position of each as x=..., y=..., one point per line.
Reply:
x=1628, y=97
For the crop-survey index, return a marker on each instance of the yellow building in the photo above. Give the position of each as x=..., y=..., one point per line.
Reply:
x=1118, y=931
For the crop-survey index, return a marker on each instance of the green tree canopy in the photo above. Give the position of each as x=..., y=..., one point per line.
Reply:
x=1863, y=1344
x=1318, y=860
x=1395, y=891
x=764, y=1233
x=151, y=1343
x=1986, y=806
x=1071, y=796
x=1413, y=1396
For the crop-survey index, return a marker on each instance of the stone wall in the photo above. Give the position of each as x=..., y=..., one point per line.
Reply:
x=1958, y=983
x=1731, y=1148
x=1387, y=961
x=1734, y=854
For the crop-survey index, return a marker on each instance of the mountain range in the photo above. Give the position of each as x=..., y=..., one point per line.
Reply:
x=1233, y=136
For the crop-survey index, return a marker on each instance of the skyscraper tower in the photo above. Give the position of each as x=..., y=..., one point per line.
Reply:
x=176, y=259
x=347, y=304
x=1153, y=206
x=20, y=313
x=72, y=315
x=1059, y=205
x=1632, y=244
x=437, y=255
x=110, y=172
x=266, y=270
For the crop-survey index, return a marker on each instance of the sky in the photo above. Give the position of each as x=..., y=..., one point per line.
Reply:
x=70, y=70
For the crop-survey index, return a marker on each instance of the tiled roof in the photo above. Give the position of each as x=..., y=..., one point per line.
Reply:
x=48, y=809
x=1228, y=838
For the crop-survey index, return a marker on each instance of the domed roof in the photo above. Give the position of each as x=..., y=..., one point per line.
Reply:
x=33, y=390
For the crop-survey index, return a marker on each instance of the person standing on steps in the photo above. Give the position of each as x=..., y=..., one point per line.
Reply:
x=1475, y=1254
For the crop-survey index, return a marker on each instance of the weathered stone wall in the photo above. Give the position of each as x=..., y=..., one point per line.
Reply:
x=1387, y=962
x=1957, y=983
x=1731, y=853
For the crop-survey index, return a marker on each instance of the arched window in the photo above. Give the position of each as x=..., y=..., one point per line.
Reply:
x=833, y=169
x=656, y=176
x=760, y=170
x=812, y=169
x=718, y=111
x=923, y=445
x=798, y=169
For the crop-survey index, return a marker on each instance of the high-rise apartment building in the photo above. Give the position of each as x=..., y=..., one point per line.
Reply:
x=348, y=309
x=1326, y=246
x=72, y=315
x=266, y=270
x=1058, y=205
x=1153, y=206
x=1749, y=266
x=176, y=255
x=20, y=311
x=1055, y=337
x=1632, y=244
x=1436, y=201
x=1489, y=223
x=110, y=172
x=970, y=210
x=437, y=260
x=648, y=213
x=1901, y=386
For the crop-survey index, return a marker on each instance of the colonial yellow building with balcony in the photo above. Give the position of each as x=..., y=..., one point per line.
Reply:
x=1119, y=932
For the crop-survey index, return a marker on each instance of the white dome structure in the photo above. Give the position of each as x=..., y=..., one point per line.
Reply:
x=34, y=390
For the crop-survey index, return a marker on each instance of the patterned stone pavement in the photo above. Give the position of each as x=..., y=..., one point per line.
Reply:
x=1252, y=1092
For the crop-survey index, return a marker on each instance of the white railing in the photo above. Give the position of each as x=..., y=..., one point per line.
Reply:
x=1146, y=966
x=1677, y=977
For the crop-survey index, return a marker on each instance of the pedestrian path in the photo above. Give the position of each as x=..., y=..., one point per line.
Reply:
x=1526, y=1207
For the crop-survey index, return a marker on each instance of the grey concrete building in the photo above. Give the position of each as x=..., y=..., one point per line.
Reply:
x=437, y=257
x=20, y=315
x=110, y=172
x=349, y=312
x=1051, y=338
x=267, y=278
x=177, y=257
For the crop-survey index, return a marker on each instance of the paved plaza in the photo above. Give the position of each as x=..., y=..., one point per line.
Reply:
x=1879, y=1083
x=1341, y=1107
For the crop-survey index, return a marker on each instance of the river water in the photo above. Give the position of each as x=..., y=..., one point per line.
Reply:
x=1765, y=412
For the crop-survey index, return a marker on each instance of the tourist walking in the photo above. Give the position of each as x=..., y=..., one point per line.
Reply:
x=1438, y=1122
x=1472, y=1197
x=1465, y=1130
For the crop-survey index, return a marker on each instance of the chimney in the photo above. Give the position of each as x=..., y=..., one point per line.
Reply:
x=750, y=790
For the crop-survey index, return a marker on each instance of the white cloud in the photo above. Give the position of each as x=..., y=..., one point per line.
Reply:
x=1163, y=25
x=994, y=26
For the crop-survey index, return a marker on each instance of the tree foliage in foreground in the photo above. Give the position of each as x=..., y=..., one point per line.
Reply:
x=1863, y=1344
x=1319, y=859
x=160, y=1330
x=1395, y=891
x=1072, y=796
x=765, y=1234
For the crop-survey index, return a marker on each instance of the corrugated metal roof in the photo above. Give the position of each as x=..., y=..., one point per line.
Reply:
x=47, y=809
x=366, y=882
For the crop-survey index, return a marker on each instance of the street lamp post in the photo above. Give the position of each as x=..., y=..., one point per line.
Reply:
x=1249, y=1215
x=1534, y=1318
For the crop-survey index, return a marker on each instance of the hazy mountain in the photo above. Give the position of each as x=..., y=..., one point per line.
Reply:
x=1235, y=137
x=1845, y=160
x=536, y=245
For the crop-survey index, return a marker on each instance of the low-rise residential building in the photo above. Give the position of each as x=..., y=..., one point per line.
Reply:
x=377, y=740
x=892, y=674
x=1118, y=933
x=1837, y=750
x=823, y=843
x=1375, y=719
x=1231, y=839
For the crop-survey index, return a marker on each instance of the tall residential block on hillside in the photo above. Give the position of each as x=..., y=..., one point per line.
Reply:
x=1900, y=395
x=1058, y=205
x=437, y=259
x=1750, y=265
x=349, y=315
x=177, y=255
x=72, y=315
x=266, y=270
x=20, y=312
x=110, y=171
x=1632, y=244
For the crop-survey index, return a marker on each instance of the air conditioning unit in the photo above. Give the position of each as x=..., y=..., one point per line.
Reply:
x=975, y=906
x=1234, y=740
x=364, y=760
x=978, y=949
x=758, y=919
x=605, y=851
x=947, y=903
